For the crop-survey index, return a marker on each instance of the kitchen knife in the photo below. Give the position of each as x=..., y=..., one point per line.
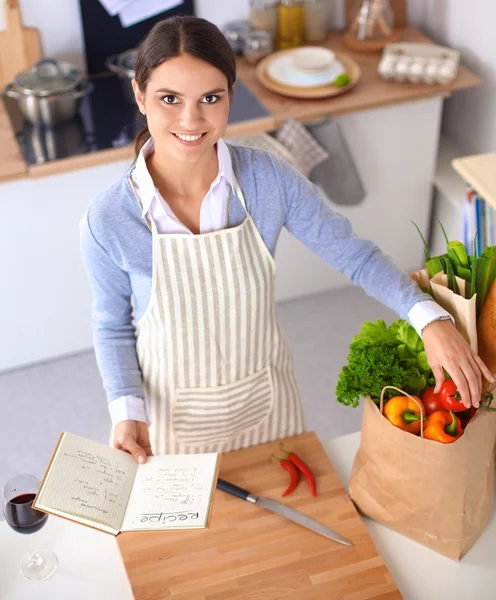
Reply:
x=283, y=510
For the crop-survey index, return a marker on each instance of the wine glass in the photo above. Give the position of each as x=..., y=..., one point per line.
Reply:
x=18, y=495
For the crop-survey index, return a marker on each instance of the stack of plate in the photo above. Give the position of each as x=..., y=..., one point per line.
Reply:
x=308, y=72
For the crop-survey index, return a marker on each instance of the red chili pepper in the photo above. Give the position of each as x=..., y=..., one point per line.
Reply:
x=303, y=468
x=293, y=474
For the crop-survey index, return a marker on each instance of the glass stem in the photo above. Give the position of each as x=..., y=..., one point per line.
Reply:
x=35, y=560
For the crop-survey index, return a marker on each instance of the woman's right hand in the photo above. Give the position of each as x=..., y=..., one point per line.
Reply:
x=133, y=437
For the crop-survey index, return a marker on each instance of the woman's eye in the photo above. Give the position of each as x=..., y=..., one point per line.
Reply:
x=170, y=99
x=211, y=99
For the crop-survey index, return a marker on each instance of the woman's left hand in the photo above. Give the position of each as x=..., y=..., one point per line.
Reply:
x=446, y=347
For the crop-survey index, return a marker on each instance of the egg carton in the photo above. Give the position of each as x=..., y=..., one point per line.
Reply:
x=419, y=63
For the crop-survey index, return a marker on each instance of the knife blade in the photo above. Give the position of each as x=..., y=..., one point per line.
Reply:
x=283, y=510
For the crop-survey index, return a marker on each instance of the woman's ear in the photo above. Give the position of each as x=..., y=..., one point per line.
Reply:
x=140, y=101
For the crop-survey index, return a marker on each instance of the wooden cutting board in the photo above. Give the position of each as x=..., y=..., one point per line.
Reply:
x=19, y=46
x=249, y=553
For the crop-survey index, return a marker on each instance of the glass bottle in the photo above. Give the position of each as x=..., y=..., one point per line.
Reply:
x=373, y=22
x=290, y=24
x=316, y=16
x=263, y=15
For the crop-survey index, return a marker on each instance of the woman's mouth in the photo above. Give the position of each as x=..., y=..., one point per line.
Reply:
x=190, y=139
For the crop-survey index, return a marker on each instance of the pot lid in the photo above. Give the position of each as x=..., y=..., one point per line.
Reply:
x=48, y=77
x=126, y=61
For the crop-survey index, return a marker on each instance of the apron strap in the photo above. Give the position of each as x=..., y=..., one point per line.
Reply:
x=140, y=205
x=239, y=193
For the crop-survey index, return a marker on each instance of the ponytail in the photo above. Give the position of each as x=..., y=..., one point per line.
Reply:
x=141, y=139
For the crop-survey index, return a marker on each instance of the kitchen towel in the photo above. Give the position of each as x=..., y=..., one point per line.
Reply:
x=264, y=141
x=337, y=176
x=305, y=149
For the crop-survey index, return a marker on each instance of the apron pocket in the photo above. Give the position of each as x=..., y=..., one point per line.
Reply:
x=219, y=414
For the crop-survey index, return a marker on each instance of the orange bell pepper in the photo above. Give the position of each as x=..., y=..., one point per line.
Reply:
x=442, y=426
x=404, y=413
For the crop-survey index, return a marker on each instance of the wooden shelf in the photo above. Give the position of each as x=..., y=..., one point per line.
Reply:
x=479, y=171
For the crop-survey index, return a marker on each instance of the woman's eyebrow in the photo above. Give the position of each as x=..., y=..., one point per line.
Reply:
x=173, y=93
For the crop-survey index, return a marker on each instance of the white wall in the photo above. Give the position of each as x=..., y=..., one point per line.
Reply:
x=469, y=26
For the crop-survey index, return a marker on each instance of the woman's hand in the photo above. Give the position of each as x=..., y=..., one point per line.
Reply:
x=133, y=437
x=446, y=347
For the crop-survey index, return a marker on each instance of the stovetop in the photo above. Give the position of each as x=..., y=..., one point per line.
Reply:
x=105, y=120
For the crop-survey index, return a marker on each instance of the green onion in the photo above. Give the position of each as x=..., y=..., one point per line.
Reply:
x=457, y=253
x=473, y=280
x=450, y=272
x=427, y=254
x=435, y=265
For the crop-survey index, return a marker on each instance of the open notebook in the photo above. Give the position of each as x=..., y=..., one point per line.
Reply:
x=105, y=488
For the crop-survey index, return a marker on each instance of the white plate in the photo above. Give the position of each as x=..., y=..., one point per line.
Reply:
x=281, y=70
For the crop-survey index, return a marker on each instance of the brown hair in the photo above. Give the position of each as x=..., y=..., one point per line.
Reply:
x=179, y=35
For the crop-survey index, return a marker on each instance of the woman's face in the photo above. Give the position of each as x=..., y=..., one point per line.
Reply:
x=186, y=103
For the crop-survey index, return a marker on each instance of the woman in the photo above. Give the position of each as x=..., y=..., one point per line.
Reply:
x=189, y=234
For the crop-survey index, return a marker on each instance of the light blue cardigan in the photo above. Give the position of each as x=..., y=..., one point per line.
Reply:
x=116, y=246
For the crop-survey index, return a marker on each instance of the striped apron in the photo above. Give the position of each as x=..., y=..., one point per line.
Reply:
x=218, y=373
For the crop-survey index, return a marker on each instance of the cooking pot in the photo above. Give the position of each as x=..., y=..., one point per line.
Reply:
x=49, y=93
x=123, y=65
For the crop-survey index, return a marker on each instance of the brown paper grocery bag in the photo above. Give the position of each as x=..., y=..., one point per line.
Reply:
x=441, y=495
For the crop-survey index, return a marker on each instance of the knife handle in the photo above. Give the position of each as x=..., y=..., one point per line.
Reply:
x=232, y=489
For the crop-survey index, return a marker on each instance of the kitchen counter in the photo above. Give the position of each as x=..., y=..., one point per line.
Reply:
x=90, y=564
x=371, y=92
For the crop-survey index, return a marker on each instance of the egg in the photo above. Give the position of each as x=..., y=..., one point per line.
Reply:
x=386, y=67
x=431, y=71
x=401, y=69
x=416, y=71
x=446, y=72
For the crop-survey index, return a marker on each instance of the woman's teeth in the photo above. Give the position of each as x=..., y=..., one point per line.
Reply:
x=189, y=138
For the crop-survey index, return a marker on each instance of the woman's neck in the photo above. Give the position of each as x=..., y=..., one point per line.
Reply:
x=178, y=178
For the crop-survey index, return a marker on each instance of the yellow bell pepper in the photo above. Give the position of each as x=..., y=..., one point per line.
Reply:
x=404, y=413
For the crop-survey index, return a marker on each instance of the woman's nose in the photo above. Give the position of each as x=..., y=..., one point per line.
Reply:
x=191, y=117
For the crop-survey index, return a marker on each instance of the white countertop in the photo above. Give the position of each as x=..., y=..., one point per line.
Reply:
x=90, y=566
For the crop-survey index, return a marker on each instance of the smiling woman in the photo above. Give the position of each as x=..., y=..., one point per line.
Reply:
x=180, y=255
x=191, y=53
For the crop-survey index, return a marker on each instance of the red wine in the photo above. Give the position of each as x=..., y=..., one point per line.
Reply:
x=20, y=515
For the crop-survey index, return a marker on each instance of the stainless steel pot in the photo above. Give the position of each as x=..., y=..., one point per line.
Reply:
x=123, y=66
x=49, y=93
x=49, y=110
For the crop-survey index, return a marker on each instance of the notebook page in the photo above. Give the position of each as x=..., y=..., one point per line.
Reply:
x=89, y=480
x=172, y=491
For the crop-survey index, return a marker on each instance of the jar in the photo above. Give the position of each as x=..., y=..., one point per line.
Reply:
x=290, y=24
x=258, y=44
x=234, y=32
x=373, y=22
x=263, y=16
x=316, y=15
